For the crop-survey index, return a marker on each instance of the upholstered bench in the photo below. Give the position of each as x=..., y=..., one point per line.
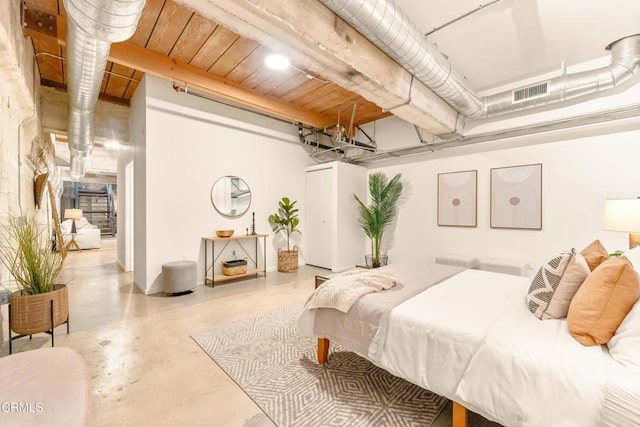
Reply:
x=179, y=277
x=44, y=387
x=457, y=260
x=502, y=265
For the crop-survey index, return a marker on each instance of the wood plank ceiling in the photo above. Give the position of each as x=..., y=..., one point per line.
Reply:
x=178, y=33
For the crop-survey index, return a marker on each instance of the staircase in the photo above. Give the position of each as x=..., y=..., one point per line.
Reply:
x=97, y=207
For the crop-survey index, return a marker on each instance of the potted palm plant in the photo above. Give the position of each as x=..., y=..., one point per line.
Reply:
x=286, y=220
x=380, y=213
x=39, y=304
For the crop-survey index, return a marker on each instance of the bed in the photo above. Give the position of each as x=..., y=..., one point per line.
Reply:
x=470, y=337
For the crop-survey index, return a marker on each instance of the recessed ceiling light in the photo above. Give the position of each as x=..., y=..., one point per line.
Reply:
x=276, y=61
x=111, y=145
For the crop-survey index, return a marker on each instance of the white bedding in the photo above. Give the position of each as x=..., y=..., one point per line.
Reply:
x=472, y=339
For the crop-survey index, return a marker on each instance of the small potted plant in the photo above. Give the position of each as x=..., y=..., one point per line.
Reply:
x=39, y=304
x=380, y=213
x=286, y=220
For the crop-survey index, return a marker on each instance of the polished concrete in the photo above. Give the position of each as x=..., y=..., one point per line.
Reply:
x=144, y=367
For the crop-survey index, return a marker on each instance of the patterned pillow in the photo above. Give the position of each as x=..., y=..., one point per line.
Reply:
x=546, y=281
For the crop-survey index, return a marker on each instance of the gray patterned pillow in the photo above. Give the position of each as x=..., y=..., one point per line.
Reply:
x=546, y=281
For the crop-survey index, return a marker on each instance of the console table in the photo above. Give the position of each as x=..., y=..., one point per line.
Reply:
x=209, y=273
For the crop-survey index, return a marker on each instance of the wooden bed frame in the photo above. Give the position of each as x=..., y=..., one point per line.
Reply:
x=459, y=416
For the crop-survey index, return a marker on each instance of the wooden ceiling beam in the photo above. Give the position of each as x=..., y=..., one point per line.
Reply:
x=319, y=41
x=131, y=55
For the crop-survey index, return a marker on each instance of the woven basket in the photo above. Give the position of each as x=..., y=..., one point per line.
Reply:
x=31, y=314
x=288, y=260
x=234, y=268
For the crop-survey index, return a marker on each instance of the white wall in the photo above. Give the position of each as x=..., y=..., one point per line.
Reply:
x=580, y=170
x=19, y=123
x=138, y=133
x=125, y=206
x=582, y=166
x=190, y=143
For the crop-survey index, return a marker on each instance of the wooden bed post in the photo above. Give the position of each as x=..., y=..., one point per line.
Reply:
x=459, y=415
x=323, y=350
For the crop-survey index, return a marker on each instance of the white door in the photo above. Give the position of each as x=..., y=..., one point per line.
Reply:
x=128, y=217
x=318, y=217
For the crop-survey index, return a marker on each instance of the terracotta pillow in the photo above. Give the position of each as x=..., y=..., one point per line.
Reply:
x=603, y=301
x=595, y=254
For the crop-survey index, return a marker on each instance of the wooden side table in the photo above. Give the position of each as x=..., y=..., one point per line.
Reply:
x=210, y=266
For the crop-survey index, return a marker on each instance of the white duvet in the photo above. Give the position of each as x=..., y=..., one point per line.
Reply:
x=472, y=339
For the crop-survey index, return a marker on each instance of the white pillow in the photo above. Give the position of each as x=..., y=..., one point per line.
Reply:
x=66, y=225
x=82, y=223
x=633, y=255
x=624, y=346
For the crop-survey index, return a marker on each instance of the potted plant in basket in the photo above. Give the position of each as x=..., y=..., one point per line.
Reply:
x=380, y=213
x=286, y=220
x=39, y=304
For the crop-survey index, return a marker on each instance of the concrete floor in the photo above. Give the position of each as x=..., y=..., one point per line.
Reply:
x=144, y=367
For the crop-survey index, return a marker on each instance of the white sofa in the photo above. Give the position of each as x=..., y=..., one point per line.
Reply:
x=87, y=235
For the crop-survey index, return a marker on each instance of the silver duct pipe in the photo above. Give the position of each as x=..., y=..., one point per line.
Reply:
x=386, y=26
x=92, y=26
x=623, y=113
x=625, y=60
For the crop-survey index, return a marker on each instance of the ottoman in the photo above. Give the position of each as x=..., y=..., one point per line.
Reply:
x=178, y=277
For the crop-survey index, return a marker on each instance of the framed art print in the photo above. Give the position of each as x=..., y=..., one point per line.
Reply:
x=457, y=199
x=516, y=197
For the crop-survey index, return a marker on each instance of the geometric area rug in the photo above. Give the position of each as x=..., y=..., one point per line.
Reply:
x=277, y=368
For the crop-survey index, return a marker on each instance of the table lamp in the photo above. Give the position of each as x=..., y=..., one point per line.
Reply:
x=73, y=214
x=623, y=215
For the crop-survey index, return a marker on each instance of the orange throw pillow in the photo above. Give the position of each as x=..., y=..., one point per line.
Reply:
x=603, y=301
x=595, y=254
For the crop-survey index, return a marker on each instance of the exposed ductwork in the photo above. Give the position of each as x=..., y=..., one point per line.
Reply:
x=386, y=26
x=625, y=61
x=622, y=113
x=92, y=26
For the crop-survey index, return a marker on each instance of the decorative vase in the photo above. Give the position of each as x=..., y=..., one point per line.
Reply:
x=288, y=260
x=373, y=262
x=31, y=314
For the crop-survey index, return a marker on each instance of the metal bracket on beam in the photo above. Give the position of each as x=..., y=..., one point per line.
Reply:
x=39, y=20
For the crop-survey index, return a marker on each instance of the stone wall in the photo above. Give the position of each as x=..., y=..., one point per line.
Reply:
x=23, y=148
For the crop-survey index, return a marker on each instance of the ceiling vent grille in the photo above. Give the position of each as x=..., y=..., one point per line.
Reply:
x=536, y=91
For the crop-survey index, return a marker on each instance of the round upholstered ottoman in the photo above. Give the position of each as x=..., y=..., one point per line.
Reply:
x=178, y=277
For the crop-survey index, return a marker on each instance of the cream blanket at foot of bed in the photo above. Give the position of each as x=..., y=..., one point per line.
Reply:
x=342, y=291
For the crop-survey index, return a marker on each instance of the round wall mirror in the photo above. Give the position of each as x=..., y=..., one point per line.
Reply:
x=231, y=196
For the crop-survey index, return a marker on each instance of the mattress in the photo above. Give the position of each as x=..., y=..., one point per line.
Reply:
x=473, y=340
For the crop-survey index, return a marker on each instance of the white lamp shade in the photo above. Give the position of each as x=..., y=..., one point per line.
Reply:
x=622, y=215
x=72, y=213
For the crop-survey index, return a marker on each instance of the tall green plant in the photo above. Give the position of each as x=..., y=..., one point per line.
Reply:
x=25, y=250
x=382, y=210
x=286, y=219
